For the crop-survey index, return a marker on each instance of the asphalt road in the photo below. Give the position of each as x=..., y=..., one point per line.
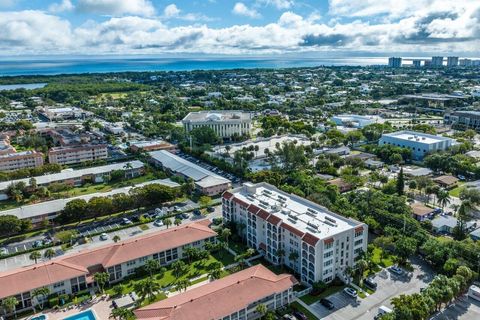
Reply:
x=365, y=309
x=23, y=259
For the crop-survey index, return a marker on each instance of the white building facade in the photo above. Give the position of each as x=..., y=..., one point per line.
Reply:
x=419, y=143
x=225, y=123
x=77, y=154
x=308, y=238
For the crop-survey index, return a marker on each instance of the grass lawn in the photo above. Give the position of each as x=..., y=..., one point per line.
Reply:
x=238, y=247
x=385, y=262
x=194, y=270
x=455, y=192
x=310, y=299
x=297, y=306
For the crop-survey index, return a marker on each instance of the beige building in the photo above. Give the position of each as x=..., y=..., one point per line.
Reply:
x=225, y=123
x=77, y=154
x=21, y=160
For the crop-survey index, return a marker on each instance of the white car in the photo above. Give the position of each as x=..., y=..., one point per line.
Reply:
x=3, y=251
x=351, y=292
x=158, y=223
x=104, y=236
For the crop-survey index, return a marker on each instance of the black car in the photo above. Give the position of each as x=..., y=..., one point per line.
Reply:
x=210, y=209
x=300, y=315
x=197, y=212
x=327, y=303
x=369, y=283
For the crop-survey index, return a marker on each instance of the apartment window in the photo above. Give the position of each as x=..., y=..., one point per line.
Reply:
x=328, y=254
x=358, y=242
x=327, y=263
x=58, y=284
x=131, y=271
x=131, y=263
x=328, y=245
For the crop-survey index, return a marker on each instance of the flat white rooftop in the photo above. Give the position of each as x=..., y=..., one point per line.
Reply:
x=295, y=211
x=414, y=136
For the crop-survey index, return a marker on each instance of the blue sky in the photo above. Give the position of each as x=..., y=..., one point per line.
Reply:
x=31, y=27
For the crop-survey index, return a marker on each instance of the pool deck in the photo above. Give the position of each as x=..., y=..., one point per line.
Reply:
x=102, y=309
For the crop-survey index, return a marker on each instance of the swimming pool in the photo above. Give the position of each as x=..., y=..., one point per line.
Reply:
x=86, y=315
x=40, y=317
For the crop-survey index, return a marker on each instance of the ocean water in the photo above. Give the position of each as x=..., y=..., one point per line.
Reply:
x=28, y=86
x=46, y=66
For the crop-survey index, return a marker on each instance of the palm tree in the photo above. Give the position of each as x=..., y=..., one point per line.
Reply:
x=280, y=255
x=101, y=278
x=443, y=198
x=122, y=314
x=167, y=222
x=182, y=285
x=262, y=309
x=178, y=268
x=35, y=255
x=9, y=305
x=147, y=289
x=215, y=274
x=49, y=253
x=177, y=222
x=151, y=266
x=226, y=233
x=293, y=256
x=41, y=292
x=241, y=261
x=116, y=238
x=361, y=265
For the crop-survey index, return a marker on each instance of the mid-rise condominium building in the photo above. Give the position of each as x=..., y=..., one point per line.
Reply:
x=225, y=123
x=21, y=160
x=419, y=143
x=437, y=61
x=463, y=119
x=234, y=297
x=74, y=273
x=452, y=61
x=77, y=154
x=394, y=62
x=287, y=229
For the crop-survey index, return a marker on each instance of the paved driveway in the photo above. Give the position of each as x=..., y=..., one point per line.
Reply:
x=366, y=309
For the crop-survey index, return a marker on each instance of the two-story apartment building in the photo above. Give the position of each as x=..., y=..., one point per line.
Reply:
x=21, y=160
x=77, y=154
x=225, y=123
x=234, y=297
x=288, y=229
x=74, y=273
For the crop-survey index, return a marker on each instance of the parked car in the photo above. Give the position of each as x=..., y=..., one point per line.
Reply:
x=210, y=209
x=126, y=221
x=3, y=251
x=158, y=223
x=185, y=215
x=351, y=292
x=37, y=243
x=369, y=283
x=327, y=303
x=104, y=236
x=396, y=270
x=300, y=315
x=197, y=212
x=176, y=208
x=288, y=317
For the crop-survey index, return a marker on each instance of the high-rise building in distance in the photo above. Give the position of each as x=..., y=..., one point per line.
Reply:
x=437, y=61
x=452, y=61
x=394, y=62
x=417, y=63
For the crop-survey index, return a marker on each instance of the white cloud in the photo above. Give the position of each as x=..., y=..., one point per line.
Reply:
x=171, y=11
x=425, y=30
x=279, y=4
x=117, y=7
x=65, y=5
x=242, y=10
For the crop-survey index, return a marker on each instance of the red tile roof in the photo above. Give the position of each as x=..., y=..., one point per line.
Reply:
x=227, y=195
x=253, y=208
x=359, y=229
x=81, y=263
x=327, y=241
x=240, y=202
x=310, y=239
x=219, y=298
x=293, y=230
x=274, y=219
x=263, y=214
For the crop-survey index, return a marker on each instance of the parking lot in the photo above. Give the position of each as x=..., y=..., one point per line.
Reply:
x=389, y=287
x=464, y=308
x=24, y=260
x=209, y=167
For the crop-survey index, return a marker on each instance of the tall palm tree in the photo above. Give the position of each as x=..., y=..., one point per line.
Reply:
x=41, y=292
x=361, y=265
x=261, y=309
x=443, y=198
x=147, y=289
x=101, y=278
x=122, y=314
x=151, y=265
x=167, y=222
x=294, y=256
x=9, y=305
x=226, y=233
x=49, y=253
x=182, y=284
x=35, y=255
x=215, y=274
